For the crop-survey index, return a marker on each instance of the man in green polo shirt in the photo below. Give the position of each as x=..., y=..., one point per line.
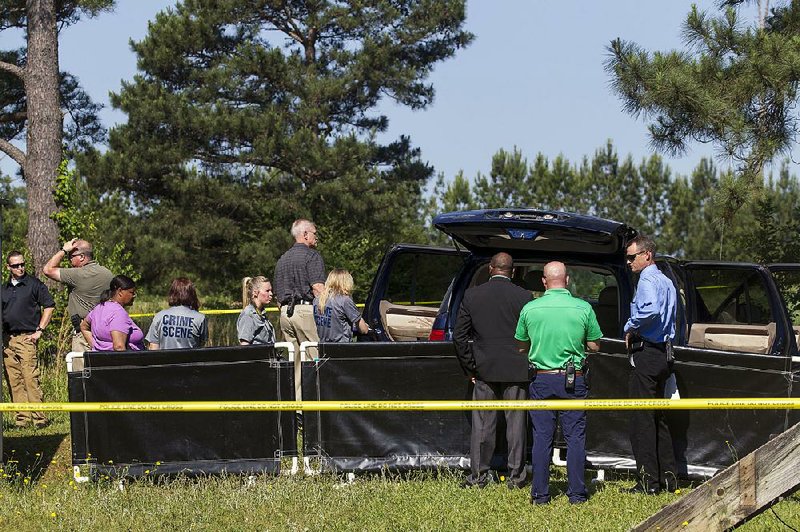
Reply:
x=554, y=330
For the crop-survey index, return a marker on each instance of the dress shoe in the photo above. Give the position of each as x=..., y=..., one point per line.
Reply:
x=638, y=488
x=480, y=484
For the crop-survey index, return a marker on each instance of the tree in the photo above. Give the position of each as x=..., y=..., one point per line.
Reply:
x=35, y=107
x=273, y=102
x=735, y=86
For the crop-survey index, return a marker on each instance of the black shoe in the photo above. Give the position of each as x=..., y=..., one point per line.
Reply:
x=638, y=488
x=480, y=484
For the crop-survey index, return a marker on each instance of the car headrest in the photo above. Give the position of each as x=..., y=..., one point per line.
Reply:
x=608, y=296
x=533, y=281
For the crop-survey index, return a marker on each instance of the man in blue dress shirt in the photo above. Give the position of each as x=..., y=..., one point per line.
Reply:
x=648, y=334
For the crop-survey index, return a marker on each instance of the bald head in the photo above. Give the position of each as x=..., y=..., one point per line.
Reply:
x=555, y=275
x=501, y=264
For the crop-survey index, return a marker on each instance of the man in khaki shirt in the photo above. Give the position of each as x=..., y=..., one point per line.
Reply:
x=86, y=281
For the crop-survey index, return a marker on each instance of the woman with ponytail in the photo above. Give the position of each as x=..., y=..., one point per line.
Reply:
x=108, y=327
x=335, y=312
x=253, y=326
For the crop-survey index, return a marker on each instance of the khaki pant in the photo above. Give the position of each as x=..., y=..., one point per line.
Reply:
x=22, y=374
x=300, y=328
x=79, y=344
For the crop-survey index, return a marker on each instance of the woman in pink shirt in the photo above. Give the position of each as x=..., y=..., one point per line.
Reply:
x=108, y=327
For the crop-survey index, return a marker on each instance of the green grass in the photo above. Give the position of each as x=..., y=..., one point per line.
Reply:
x=37, y=493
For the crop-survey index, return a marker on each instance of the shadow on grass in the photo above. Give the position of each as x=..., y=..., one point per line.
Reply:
x=30, y=454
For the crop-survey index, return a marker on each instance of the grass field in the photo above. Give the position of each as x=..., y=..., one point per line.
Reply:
x=37, y=493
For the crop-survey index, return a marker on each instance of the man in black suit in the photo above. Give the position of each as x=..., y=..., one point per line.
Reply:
x=486, y=349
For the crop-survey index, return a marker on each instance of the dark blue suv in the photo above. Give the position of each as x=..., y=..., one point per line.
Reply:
x=737, y=333
x=418, y=289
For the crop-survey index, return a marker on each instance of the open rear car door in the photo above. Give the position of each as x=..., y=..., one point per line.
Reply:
x=407, y=291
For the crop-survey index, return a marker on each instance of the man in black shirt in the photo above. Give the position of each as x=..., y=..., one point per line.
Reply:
x=487, y=352
x=24, y=297
x=299, y=277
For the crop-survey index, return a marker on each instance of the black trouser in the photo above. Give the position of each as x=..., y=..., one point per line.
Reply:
x=650, y=438
x=484, y=431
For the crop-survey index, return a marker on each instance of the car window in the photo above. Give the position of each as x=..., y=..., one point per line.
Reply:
x=592, y=284
x=788, y=282
x=420, y=279
x=732, y=296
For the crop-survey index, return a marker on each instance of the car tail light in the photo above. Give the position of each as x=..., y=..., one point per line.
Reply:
x=437, y=335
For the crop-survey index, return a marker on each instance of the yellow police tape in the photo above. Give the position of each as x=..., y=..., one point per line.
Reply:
x=277, y=309
x=365, y=406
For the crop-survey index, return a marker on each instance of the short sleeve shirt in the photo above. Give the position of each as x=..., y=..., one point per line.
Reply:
x=178, y=327
x=22, y=304
x=254, y=327
x=110, y=316
x=558, y=326
x=86, y=285
x=335, y=322
x=296, y=270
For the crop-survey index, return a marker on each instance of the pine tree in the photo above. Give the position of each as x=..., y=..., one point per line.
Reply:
x=30, y=99
x=271, y=104
x=734, y=86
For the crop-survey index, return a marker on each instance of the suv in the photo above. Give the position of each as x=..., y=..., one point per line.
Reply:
x=737, y=333
x=418, y=289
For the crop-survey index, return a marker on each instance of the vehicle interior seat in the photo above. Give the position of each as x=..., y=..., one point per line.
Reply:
x=407, y=323
x=607, y=311
x=533, y=282
x=733, y=337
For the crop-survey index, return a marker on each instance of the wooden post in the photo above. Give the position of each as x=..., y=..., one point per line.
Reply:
x=741, y=490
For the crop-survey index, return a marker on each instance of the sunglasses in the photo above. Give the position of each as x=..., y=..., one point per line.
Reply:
x=18, y=265
x=631, y=258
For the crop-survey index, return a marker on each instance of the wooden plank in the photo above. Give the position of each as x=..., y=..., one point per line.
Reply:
x=742, y=489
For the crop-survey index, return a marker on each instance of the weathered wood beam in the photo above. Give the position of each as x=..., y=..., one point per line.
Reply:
x=744, y=488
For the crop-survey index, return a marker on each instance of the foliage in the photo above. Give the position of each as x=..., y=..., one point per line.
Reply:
x=682, y=213
x=734, y=86
x=13, y=13
x=82, y=125
x=14, y=216
x=248, y=115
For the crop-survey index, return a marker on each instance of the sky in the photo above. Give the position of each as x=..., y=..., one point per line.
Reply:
x=533, y=78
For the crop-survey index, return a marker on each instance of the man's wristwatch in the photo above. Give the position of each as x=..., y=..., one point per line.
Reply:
x=39, y=329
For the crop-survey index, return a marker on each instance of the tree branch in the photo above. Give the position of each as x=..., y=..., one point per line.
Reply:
x=14, y=117
x=13, y=69
x=12, y=151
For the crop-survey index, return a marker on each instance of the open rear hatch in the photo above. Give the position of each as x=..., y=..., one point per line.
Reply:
x=492, y=230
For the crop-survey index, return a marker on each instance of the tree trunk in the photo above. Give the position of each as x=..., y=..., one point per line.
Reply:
x=44, y=129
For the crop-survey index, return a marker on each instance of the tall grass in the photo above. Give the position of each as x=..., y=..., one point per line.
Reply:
x=37, y=493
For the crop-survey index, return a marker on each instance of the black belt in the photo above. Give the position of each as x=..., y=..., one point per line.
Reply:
x=658, y=345
x=557, y=371
x=299, y=302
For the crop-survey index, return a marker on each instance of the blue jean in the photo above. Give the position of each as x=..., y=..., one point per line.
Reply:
x=573, y=425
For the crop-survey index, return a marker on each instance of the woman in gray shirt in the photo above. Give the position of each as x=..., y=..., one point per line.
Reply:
x=180, y=326
x=253, y=326
x=335, y=312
